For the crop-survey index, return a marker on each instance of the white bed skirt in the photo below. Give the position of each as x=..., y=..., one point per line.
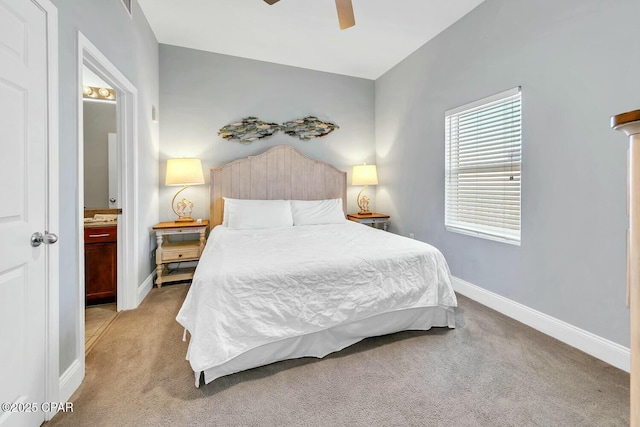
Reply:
x=321, y=343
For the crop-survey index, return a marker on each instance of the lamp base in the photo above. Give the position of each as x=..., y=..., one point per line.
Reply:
x=185, y=219
x=363, y=203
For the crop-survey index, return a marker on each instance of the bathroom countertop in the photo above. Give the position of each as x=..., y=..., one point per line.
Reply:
x=93, y=224
x=104, y=217
x=90, y=213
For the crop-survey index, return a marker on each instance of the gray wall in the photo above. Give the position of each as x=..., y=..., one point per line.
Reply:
x=201, y=92
x=99, y=121
x=131, y=46
x=578, y=63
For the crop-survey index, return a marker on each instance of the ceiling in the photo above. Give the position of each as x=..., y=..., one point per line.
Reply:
x=305, y=33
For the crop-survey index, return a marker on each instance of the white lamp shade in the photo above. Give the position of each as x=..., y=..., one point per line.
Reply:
x=364, y=175
x=184, y=172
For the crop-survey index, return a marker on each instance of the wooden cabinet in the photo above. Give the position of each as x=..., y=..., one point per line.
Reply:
x=178, y=251
x=374, y=219
x=100, y=264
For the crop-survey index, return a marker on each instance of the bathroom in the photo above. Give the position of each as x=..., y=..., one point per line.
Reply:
x=101, y=205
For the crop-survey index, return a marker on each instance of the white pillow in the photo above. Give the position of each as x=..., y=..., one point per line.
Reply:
x=313, y=212
x=252, y=214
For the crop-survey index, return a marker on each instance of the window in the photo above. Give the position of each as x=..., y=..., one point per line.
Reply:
x=482, y=167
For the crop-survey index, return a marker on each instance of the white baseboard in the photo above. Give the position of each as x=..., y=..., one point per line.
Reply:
x=70, y=380
x=598, y=347
x=145, y=287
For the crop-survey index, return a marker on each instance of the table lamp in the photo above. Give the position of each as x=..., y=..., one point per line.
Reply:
x=364, y=175
x=183, y=172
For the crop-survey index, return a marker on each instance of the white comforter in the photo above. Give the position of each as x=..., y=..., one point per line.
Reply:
x=254, y=287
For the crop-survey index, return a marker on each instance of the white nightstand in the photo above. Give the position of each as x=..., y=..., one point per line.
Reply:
x=172, y=252
x=372, y=219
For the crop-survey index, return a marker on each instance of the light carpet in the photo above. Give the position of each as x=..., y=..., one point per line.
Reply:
x=490, y=371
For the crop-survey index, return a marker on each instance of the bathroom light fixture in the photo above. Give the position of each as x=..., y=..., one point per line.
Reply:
x=92, y=92
x=183, y=172
x=364, y=175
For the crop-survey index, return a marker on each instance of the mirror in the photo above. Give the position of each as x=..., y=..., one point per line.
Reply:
x=100, y=143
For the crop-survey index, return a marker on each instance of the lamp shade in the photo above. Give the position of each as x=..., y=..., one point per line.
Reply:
x=364, y=175
x=184, y=172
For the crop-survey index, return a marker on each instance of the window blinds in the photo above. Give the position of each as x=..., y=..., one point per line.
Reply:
x=482, y=169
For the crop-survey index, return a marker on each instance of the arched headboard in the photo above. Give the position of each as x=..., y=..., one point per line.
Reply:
x=280, y=173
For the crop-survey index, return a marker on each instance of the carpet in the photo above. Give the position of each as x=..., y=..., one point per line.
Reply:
x=489, y=371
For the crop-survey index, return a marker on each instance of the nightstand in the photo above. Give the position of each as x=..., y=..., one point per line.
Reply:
x=372, y=220
x=178, y=251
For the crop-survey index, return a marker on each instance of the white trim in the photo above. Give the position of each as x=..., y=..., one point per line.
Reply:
x=70, y=380
x=79, y=327
x=127, y=117
x=598, y=347
x=52, y=274
x=145, y=287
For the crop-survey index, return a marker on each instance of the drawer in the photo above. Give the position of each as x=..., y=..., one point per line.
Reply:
x=100, y=234
x=372, y=220
x=180, y=251
x=377, y=220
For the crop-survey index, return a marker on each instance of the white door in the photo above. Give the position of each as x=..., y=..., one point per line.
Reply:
x=23, y=198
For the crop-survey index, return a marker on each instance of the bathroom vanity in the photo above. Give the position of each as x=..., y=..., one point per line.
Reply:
x=100, y=259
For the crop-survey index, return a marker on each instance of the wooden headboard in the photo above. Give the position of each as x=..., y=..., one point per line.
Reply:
x=280, y=173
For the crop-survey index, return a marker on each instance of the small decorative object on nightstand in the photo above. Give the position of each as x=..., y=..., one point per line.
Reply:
x=372, y=219
x=364, y=175
x=173, y=252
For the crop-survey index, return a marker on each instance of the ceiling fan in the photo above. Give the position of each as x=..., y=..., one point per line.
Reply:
x=345, y=12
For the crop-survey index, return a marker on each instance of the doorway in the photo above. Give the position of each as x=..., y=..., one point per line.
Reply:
x=101, y=204
x=118, y=243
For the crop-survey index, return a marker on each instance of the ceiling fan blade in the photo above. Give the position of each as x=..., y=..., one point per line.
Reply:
x=345, y=14
x=271, y=1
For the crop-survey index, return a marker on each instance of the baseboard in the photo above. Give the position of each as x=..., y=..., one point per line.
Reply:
x=598, y=347
x=70, y=380
x=145, y=287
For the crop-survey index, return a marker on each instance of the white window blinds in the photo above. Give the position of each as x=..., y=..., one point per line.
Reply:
x=482, y=169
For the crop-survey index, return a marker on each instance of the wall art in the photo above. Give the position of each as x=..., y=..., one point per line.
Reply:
x=248, y=130
x=251, y=129
x=308, y=128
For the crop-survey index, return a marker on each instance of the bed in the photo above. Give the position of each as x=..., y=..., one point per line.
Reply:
x=303, y=288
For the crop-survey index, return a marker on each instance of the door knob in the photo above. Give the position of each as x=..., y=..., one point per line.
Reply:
x=38, y=238
x=112, y=200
